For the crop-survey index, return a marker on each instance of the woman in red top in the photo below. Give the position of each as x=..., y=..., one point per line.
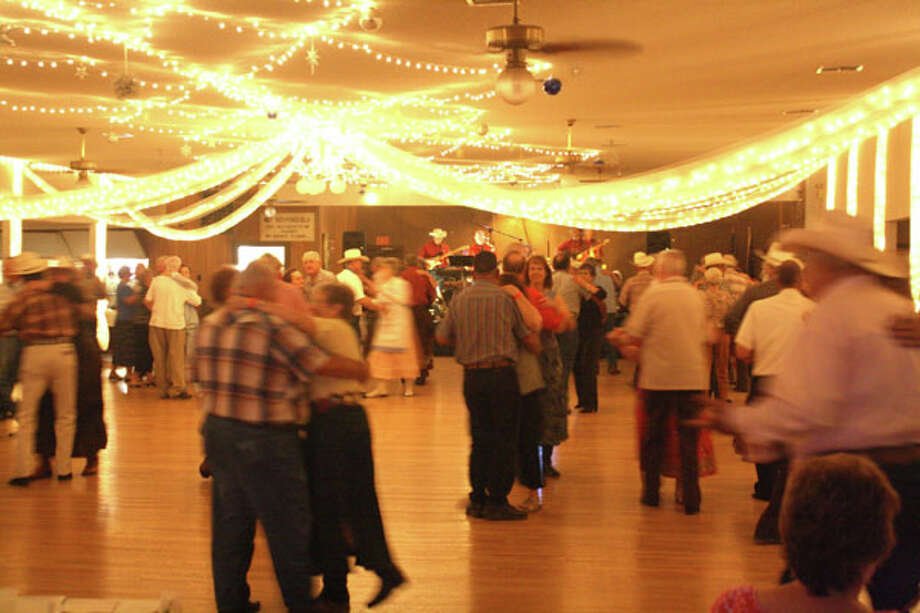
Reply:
x=556, y=318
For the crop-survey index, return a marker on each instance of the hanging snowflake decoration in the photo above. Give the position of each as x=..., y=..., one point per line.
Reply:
x=313, y=58
x=82, y=71
x=126, y=86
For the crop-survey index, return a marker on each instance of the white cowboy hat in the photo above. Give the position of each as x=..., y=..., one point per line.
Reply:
x=642, y=259
x=438, y=233
x=353, y=254
x=730, y=260
x=776, y=255
x=29, y=263
x=713, y=259
x=848, y=239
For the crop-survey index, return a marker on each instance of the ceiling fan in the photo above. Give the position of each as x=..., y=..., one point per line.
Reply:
x=516, y=84
x=83, y=167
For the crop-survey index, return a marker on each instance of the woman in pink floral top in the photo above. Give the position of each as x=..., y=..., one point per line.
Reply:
x=718, y=301
x=836, y=525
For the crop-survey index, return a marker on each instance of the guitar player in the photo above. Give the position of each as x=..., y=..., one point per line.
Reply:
x=583, y=246
x=435, y=248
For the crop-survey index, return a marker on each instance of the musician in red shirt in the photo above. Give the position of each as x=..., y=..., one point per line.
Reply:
x=480, y=243
x=436, y=247
x=581, y=241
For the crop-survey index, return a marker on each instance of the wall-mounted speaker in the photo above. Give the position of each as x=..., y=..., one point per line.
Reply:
x=354, y=239
x=657, y=241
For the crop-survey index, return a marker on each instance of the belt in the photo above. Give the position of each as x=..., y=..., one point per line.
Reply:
x=489, y=364
x=907, y=454
x=323, y=405
x=57, y=340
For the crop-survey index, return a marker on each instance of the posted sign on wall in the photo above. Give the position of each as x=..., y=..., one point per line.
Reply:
x=285, y=227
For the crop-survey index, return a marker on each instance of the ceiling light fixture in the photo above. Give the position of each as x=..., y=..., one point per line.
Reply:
x=515, y=84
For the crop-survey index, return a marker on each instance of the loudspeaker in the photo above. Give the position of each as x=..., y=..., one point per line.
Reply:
x=385, y=251
x=354, y=239
x=657, y=241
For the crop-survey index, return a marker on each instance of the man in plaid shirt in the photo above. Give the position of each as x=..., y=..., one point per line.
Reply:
x=250, y=367
x=46, y=324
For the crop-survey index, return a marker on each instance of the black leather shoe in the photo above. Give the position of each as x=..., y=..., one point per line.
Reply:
x=649, y=500
x=475, y=509
x=66, y=477
x=390, y=579
x=182, y=396
x=588, y=411
x=19, y=482
x=503, y=512
x=688, y=510
x=550, y=471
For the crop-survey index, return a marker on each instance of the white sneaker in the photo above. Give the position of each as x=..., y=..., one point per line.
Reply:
x=377, y=392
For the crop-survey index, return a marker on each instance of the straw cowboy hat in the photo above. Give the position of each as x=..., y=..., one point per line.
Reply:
x=776, y=255
x=848, y=239
x=29, y=263
x=730, y=260
x=353, y=254
x=642, y=259
x=438, y=233
x=713, y=259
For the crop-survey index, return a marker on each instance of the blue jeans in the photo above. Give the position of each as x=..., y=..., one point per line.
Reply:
x=9, y=369
x=258, y=475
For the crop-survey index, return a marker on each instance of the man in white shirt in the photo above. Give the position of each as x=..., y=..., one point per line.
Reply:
x=166, y=300
x=768, y=330
x=848, y=385
x=668, y=328
x=350, y=276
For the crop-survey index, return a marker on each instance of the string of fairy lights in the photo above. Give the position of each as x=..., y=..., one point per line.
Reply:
x=256, y=143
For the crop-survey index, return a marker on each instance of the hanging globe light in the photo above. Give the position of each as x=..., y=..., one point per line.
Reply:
x=316, y=187
x=515, y=84
x=338, y=186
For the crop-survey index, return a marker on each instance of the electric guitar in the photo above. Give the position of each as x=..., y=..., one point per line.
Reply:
x=589, y=252
x=435, y=262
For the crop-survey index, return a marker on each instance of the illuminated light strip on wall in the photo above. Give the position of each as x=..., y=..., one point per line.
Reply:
x=853, y=180
x=244, y=211
x=915, y=211
x=879, y=217
x=831, y=183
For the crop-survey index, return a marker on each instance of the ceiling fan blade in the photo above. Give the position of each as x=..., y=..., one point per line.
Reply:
x=612, y=46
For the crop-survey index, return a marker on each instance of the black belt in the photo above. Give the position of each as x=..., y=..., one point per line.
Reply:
x=323, y=405
x=489, y=364
x=58, y=340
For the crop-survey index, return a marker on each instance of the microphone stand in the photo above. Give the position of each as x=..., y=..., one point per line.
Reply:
x=490, y=230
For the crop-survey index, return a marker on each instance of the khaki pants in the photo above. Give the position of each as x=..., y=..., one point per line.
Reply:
x=168, y=348
x=41, y=367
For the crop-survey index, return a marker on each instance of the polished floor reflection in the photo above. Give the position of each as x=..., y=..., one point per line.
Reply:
x=142, y=526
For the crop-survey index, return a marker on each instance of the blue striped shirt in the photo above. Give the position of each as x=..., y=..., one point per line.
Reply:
x=485, y=323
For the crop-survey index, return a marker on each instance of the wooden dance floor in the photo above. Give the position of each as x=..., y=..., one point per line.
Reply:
x=142, y=526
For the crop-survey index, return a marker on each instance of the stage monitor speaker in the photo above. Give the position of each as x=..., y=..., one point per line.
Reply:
x=354, y=239
x=657, y=241
x=385, y=251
